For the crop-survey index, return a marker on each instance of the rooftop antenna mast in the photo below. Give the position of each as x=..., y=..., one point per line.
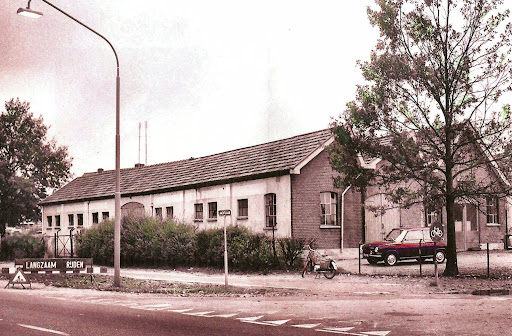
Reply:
x=146, y=125
x=139, y=142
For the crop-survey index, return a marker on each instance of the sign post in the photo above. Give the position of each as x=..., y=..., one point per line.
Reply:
x=224, y=213
x=436, y=233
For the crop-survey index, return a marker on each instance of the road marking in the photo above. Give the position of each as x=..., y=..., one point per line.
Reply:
x=249, y=319
x=200, y=313
x=43, y=329
x=376, y=333
x=306, y=326
x=224, y=315
x=180, y=310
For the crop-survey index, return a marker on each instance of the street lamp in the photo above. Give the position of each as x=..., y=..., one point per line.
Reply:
x=117, y=227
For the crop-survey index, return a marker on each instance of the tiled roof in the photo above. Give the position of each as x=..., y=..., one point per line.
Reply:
x=273, y=158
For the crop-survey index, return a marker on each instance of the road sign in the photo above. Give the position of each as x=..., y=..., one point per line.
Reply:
x=224, y=212
x=436, y=231
x=19, y=278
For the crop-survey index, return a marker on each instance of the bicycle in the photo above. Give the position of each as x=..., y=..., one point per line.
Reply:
x=326, y=267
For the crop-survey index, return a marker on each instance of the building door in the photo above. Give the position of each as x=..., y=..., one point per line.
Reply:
x=381, y=217
x=132, y=209
x=466, y=226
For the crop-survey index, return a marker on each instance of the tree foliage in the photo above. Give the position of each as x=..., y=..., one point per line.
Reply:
x=431, y=106
x=30, y=165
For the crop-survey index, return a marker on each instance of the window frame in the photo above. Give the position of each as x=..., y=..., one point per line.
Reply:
x=270, y=211
x=492, y=211
x=212, y=211
x=80, y=220
x=95, y=218
x=49, y=221
x=105, y=215
x=198, y=212
x=332, y=204
x=71, y=220
x=169, y=209
x=243, y=209
x=158, y=213
x=57, y=221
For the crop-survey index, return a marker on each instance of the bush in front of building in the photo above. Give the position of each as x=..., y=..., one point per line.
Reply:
x=290, y=250
x=21, y=246
x=147, y=241
x=97, y=243
x=247, y=251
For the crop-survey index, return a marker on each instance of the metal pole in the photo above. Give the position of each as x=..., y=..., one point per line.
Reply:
x=71, y=241
x=359, y=257
x=435, y=263
x=117, y=194
x=421, y=262
x=488, y=262
x=56, y=236
x=225, y=255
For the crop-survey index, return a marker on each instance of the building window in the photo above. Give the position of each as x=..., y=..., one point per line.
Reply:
x=158, y=212
x=198, y=211
x=57, y=221
x=270, y=210
x=49, y=219
x=169, y=211
x=329, y=206
x=71, y=220
x=95, y=218
x=212, y=210
x=105, y=215
x=492, y=210
x=80, y=219
x=243, y=208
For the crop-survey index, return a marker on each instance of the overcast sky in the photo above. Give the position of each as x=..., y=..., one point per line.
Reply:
x=207, y=76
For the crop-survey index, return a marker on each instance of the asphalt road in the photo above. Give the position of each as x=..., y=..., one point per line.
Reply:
x=38, y=315
x=79, y=312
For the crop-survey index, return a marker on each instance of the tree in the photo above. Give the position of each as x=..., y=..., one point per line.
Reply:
x=30, y=165
x=429, y=108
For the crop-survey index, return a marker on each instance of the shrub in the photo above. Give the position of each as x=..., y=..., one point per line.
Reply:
x=21, y=246
x=247, y=251
x=97, y=243
x=290, y=250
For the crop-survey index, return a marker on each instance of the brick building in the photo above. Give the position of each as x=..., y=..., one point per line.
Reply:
x=283, y=187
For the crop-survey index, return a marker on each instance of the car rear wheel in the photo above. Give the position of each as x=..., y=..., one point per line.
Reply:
x=391, y=259
x=440, y=256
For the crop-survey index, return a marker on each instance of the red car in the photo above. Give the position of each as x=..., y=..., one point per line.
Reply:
x=402, y=244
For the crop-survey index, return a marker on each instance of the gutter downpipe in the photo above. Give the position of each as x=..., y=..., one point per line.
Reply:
x=343, y=217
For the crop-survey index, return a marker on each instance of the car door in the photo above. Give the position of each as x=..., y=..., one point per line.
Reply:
x=411, y=243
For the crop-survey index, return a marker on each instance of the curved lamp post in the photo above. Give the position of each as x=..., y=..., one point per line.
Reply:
x=117, y=228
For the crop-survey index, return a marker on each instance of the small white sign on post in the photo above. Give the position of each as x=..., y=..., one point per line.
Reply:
x=224, y=213
x=436, y=233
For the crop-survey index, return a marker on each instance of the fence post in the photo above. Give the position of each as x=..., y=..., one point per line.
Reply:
x=359, y=257
x=488, y=262
x=71, y=241
x=56, y=237
x=421, y=261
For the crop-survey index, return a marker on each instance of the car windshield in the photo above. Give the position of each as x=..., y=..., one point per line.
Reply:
x=394, y=234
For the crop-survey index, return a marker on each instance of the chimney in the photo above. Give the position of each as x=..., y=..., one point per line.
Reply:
x=100, y=170
x=139, y=165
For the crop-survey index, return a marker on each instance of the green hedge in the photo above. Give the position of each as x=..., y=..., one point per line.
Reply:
x=147, y=241
x=21, y=246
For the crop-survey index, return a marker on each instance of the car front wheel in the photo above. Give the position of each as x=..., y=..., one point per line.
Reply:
x=391, y=259
x=440, y=256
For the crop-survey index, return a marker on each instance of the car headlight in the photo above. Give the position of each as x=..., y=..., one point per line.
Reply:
x=376, y=250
